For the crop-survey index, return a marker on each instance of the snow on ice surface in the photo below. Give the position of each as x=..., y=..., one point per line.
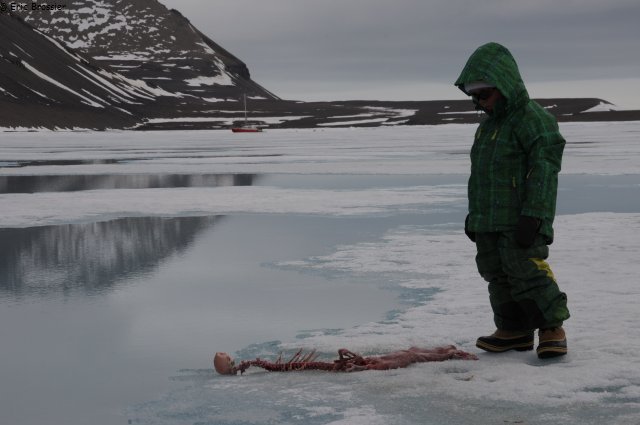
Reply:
x=399, y=150
x=25, y=210
x=598, y=382
x=594, y=258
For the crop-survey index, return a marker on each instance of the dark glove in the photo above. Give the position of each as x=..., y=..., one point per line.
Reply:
x=526, y=230
x=471, y=235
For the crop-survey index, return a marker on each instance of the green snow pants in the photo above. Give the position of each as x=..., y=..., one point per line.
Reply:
x=523, y=292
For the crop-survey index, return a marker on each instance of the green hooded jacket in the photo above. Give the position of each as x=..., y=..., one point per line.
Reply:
x=517, y=150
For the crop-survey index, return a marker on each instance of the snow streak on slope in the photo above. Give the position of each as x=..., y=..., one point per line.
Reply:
x=62, y=86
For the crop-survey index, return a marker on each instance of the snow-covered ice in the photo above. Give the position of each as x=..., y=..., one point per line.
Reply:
x=594, y=258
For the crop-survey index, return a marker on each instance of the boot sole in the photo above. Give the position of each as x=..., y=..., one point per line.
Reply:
x=502, y=348
x=500, y=345
x=548, y=350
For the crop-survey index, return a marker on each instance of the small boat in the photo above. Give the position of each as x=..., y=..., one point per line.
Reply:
x=246, y=127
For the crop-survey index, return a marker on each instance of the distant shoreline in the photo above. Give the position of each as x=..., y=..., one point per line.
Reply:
x=271, y=114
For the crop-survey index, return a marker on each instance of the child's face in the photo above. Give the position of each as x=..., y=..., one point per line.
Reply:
x=486, y=98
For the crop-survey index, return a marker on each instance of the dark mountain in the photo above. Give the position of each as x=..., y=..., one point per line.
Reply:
x=142, y=39
x=45, y=84
x=102, y=64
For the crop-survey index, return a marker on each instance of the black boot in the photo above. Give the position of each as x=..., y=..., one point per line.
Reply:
x=502, y=340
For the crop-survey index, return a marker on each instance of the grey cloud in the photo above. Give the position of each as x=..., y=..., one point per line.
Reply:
x=362, y=40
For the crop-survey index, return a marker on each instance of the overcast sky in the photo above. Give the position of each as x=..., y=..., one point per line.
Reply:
x=415, y=49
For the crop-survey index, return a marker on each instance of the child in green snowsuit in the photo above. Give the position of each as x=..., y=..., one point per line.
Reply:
x=515, y=160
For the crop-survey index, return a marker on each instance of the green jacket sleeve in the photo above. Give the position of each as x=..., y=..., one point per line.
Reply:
x=544, y=145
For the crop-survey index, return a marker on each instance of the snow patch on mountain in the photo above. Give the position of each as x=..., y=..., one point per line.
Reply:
x=603, y=107
x=223, y=80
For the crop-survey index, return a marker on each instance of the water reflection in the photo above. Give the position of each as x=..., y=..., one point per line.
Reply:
x=91, y=258
x=69, y=183
x=87, y=259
